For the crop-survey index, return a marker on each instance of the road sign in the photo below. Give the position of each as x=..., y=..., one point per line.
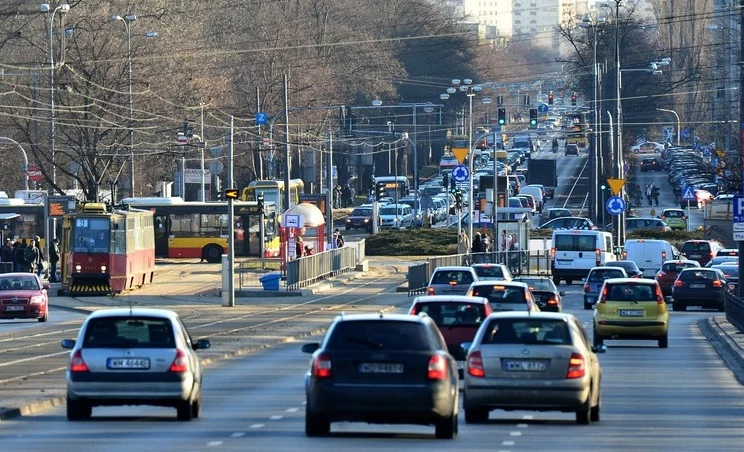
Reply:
x=542, y=108
x=261, y=118
x=616, y=185
x=460, y=173
x=34, y=173
x=688, y=194
x=616, y=205
x=738, y=205
x=460, y=154
x=231, y=193
x=738, y=236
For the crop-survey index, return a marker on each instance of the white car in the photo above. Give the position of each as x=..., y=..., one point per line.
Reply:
x=647, y=147
x=396, y=216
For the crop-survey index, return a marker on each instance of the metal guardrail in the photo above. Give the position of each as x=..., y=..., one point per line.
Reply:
x=734, y=307
x=310, y=269
x=519, y=262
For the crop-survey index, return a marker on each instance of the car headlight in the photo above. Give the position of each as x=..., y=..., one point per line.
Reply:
x=366, y=220
x=37, y=299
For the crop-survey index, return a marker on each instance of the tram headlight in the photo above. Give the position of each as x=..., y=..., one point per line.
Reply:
x=78, y=268
x=103, y=269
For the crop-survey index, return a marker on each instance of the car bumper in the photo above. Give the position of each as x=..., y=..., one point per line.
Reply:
x=30, y=312
x=626, y=329
x=128, y=388
x=424, y=403
x=553, y=395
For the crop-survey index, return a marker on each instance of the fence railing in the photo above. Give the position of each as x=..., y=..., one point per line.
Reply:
x=518, y=262
x=734, y=311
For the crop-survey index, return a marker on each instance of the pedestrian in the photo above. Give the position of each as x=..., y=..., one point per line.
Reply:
x=648, y=194
x=37, y=257
x=6, y=253
x=655, y=194
x=338, y=239
x=309, y=251
x=53, y=260
x=299, y=247
x=20, y=258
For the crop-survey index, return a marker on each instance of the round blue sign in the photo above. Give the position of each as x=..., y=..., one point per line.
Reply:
x=616, y=205
x=460, y=173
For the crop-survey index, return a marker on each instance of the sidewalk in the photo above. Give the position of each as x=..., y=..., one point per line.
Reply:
x=727, y=341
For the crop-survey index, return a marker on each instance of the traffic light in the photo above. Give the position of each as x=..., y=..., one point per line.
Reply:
x=550, y=98
x=502, y=116
x=499, y=100
x=379, y=192
x=445, y=181
x=231, y=193
x=458, y=199
x=573, y=99
x=533, y=118
x=260, y=200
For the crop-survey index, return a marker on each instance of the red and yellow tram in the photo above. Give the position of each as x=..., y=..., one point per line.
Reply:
x=107, y=250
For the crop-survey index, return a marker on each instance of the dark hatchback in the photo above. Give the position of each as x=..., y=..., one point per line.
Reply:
x=650, y=164
x=546, y=294
x=701, y=250
x=381, y=369
x=360, y=218
x=731, y=273
x=630, y=268
x=703, y=287
x=669, y=272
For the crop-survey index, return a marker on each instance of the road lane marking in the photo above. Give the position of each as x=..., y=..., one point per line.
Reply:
x=515, y=433
x=257, y=426
x=521, y=425
x=238, y=435
x=214, y=443
x=507, y=443
x=275, y=418
x=292, y=410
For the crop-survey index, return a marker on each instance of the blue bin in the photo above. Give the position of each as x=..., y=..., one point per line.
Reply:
x=270, y=281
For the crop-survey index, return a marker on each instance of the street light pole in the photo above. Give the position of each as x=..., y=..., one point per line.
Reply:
x=25, y=159
x=127, y=21
x=619, y=147
x=679, y=130
x=471, y=198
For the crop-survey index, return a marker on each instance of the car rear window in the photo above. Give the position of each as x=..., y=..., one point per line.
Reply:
x=729, y=271
x=456, y=276
x=378, y=335
x=500, y=294
x=673, y=214
x=696, y=246
x=631, y=292
x=537, y=284
x=524, y=331
x=453, y=313
x=692, y=275
x=573, y=242
x=601, y=275
x=676, y=267
x=129, y=332
x=489, y=271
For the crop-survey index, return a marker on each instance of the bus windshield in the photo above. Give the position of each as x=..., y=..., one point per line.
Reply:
x=91, y=235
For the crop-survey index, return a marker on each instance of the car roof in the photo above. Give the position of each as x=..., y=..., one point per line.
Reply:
x=491, y=282
x=631, y=280
x=488, y=264
x=520, y=314
x=449, y=268
x=452, y=298
x=134, y=312
x=710, y=269
x=681, y=261
x=378, y=316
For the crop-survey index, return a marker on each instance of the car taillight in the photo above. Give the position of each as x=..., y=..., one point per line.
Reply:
x=553, y=301
x=597, y=256
x=437, y=368
x=180, y=363
x=475, y=365
x=603, y=296
x=717, y=283
x=586, y=287
x=77, y=363
x=659, y=295
x=576, y=367
x=430, y=291
x=678, y=283
x=322, y=366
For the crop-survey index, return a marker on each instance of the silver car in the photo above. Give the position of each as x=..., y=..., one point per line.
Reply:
x=541, y=361
x=134, y=357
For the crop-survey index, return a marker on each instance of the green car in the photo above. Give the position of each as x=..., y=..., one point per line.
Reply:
x=675, y=218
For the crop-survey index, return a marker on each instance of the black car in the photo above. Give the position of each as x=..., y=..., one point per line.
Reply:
x=731, y=273
x=382, y=369
x=630, y=268
x=571, y=149
x=360, y=218
x=704, y=287
x=650, y=164
x=546, y=294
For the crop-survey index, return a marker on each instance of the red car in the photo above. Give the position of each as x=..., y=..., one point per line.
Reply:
x=23, y=296
x=669, y=272
x=458, y=318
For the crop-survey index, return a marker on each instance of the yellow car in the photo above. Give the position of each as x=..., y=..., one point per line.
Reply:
x=630, y=308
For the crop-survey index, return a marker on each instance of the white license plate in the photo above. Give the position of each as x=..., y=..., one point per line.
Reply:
x=695, y=256
x=381, y=368
x=697, y=286
x=525, y=366
x=15, y=308
x=564, y=262
x=461, y=365
x=631, y=313
x=128, y=363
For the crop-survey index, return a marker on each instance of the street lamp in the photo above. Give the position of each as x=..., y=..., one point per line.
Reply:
x=25, y=159
x=63, y=9
x=469, y=90
x=678, y=122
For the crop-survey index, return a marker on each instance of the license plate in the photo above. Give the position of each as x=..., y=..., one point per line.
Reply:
x=697, y=286
x=381, y=368
x=564, y=262
x=525, y=365
x=461, y=365
x=128, y=363
x=15, y=308
x=631, y=313
x=590, y=300
x=695, y=256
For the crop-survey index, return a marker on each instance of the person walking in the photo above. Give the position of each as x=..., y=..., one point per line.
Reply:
x=6, y=253
x=655, y=194
x=338, y=239
x=53, y=260
x=463, y=245
x=299, y=248
x=35, y=257
x=648, y=194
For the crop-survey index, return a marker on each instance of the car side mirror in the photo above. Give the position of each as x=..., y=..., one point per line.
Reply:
x=67, y=344
x=599, y=348
x=466, y=346
x=202, y=344
x=668, y=299
x=310, y=348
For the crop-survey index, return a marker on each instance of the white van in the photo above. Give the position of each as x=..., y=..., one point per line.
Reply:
x=649, y=255
x=536, y=193
x=576, y=251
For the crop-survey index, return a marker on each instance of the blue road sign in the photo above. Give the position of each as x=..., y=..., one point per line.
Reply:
x=460, y=173
x=688, y=194
x=261, y=118
x=738, y=209
x=542, y=108
x=616, y=205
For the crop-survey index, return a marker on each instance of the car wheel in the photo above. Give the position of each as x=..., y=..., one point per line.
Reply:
x=594, y=413
x=664, y=341
x=476, y=415
x=587, y=305
x=184, y=411
x=583, y=414
x=446, y=428
x=46, y=316
x=78, y=410
x=677, y=306
x=196, y=408
x=556, y=280
x=598, y=338
x=316, y=425
x=212, y=254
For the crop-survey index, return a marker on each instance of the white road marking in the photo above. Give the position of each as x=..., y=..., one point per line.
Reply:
x=515, y=433
x=521, y=425
x=275, y=418
x=214, y=443
x=507, y=443
x=238, y=435
x=528, y=416
x=257, y=426
x=292, y=410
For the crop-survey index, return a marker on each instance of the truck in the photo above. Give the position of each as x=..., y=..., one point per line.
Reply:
x=543, y=172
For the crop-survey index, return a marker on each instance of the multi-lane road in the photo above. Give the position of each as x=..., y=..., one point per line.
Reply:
x=680, y=398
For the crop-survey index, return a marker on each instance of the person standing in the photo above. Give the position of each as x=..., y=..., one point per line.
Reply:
x=20, y=257
x=53, y=260
x=299, y=248
x=655, y=194
x=6, y=254
x=338, y=239
x=648, y=194
x=37, y=257
x=463, y=245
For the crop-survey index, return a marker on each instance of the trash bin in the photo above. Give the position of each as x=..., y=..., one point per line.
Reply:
x=6, y=267
x=270, y=281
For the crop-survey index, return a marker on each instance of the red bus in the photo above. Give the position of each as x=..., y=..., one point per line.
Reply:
x=107, y=250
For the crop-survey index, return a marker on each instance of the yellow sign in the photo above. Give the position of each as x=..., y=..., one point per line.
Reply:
x=460, y=154
x=231, y=193
x=616, y=185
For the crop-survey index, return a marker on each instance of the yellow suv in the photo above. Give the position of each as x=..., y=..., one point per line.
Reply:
x=630, y=308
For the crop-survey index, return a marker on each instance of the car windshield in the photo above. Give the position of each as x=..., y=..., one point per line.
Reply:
x=527, y=331
x=500, y=294
x=361, y=213
x=489, y=271
x=129, y=332
x=673, y=214
x=453, y=314
x=390, y=210
x=454, y=276
x=378, y=335
x=677, y=266
x=696, y=246
x=19, y=283
x=601, y=275
x=625, y=265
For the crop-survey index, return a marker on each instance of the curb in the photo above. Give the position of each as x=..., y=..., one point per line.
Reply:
x=726, y=347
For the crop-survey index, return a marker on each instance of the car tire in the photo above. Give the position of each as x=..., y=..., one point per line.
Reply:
x=184, y=411
x=598, y=338
x=556, y=280
x=583, y=414
x=196, y=408
x=664, y=341
x=78, y=410
x=677, y=306
x=594, y=413
x=446, y=428
x=569, y=282
x=587, y=305
x=46, y=316
x=476, y=415
x=316, y=425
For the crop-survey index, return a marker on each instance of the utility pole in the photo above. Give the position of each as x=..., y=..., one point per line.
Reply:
x=287, y=161
x=741, y=121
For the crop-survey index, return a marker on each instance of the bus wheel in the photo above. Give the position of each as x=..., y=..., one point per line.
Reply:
x=212, y=254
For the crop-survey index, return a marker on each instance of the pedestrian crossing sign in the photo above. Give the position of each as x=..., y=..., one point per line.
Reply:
x=688, y=194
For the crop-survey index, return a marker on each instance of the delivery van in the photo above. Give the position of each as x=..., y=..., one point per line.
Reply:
x=649, y=255
x=576, y=251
